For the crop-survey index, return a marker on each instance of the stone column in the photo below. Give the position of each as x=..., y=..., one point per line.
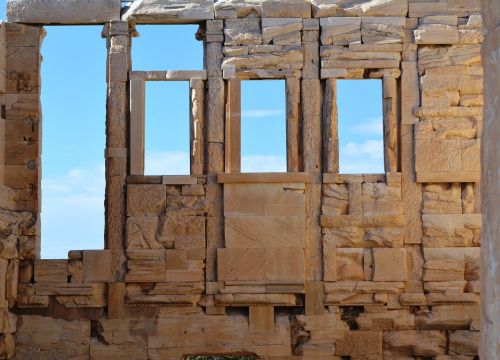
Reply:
x=117, y=143
x=490, y=242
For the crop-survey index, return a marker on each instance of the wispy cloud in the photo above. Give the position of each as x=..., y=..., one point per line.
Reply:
x=263, y=163
x=365, y=157
x=167, y=163
x=371, y=126
x=261, y=113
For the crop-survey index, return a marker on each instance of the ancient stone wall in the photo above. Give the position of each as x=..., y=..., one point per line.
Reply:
x=308, y=264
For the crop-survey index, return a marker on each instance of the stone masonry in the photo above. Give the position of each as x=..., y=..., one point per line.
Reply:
x=307, y=264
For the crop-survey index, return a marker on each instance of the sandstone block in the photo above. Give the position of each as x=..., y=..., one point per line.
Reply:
x=141, y=233
x=183, y=232
x=146, y=199
x=443, y=230
x=350, y=264
x=441, y=198
x=389, y=265
x=96, y=266
x=401, y=343
x=464, y=342
x=51, y=271
x=359, y=343
x=63, y=12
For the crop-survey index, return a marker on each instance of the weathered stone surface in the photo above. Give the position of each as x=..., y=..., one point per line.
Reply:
x=39, y=336
x=63, y=12
x=285, y=31
x=397, y=343
x=158, y=11
x=389, y=265
x=441, y=230
x=326, y=8
x=340, y=30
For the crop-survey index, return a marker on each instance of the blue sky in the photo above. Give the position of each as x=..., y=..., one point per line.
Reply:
x=73, y=102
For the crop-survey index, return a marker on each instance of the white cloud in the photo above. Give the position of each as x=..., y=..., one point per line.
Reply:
x=263, y=163
x=362, y=158
x=261, y=113
x=372, y=126
x=167, y=163
x=73, y=212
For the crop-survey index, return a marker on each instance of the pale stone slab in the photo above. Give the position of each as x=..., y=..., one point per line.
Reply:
x=325, y=8
x=164, y=11
x=63, y=11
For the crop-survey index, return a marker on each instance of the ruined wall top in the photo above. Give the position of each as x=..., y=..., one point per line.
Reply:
x=185, y=11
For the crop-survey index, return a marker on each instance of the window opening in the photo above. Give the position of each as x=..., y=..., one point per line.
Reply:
x=360, y=126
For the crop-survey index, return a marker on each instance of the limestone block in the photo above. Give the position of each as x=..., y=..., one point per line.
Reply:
x=327, y=8
x=7, y=346
x=438, y=155
x=238, y=9
x=51, y=271
x=445, y=286
x=335, y=199
x=160, y=11
x=340, y=30
x=286, y=9
x=421, y=342
x=448, y=230
x=264, y=231
x=389, y=265
x=365, y=237
x=146, y=266
x=176, y=259
x=63, y=11
x=350, y=264
x=436, y=34
x=359, y=343
x=442, y=199
x=448, y=317
x=96, y=266
x=175, y=336
x=444, y=264
x=380, y=199
x=243, y=32
x=141, y=233
x=472, y=261
x=285, y=265
x=464, y=342
x=39, y=336
x=386, y=320
x=382, y=30
x=241, y=264
x=183, y=232
x=284, y=31
x=146, y=199
x=288, y=58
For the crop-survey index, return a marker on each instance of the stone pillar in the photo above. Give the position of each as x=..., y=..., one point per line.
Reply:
x=214, y=142
x=490, y=243
x=117, y=143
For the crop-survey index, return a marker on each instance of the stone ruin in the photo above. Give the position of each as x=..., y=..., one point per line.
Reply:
x=307, y=264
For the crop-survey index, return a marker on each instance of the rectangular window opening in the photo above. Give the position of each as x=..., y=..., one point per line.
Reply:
x=167, y=47
x=167, y=128
x=263, y=126
x=73, y=126
x=360, y=126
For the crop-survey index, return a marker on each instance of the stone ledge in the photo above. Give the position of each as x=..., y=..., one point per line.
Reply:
x=63, y=11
